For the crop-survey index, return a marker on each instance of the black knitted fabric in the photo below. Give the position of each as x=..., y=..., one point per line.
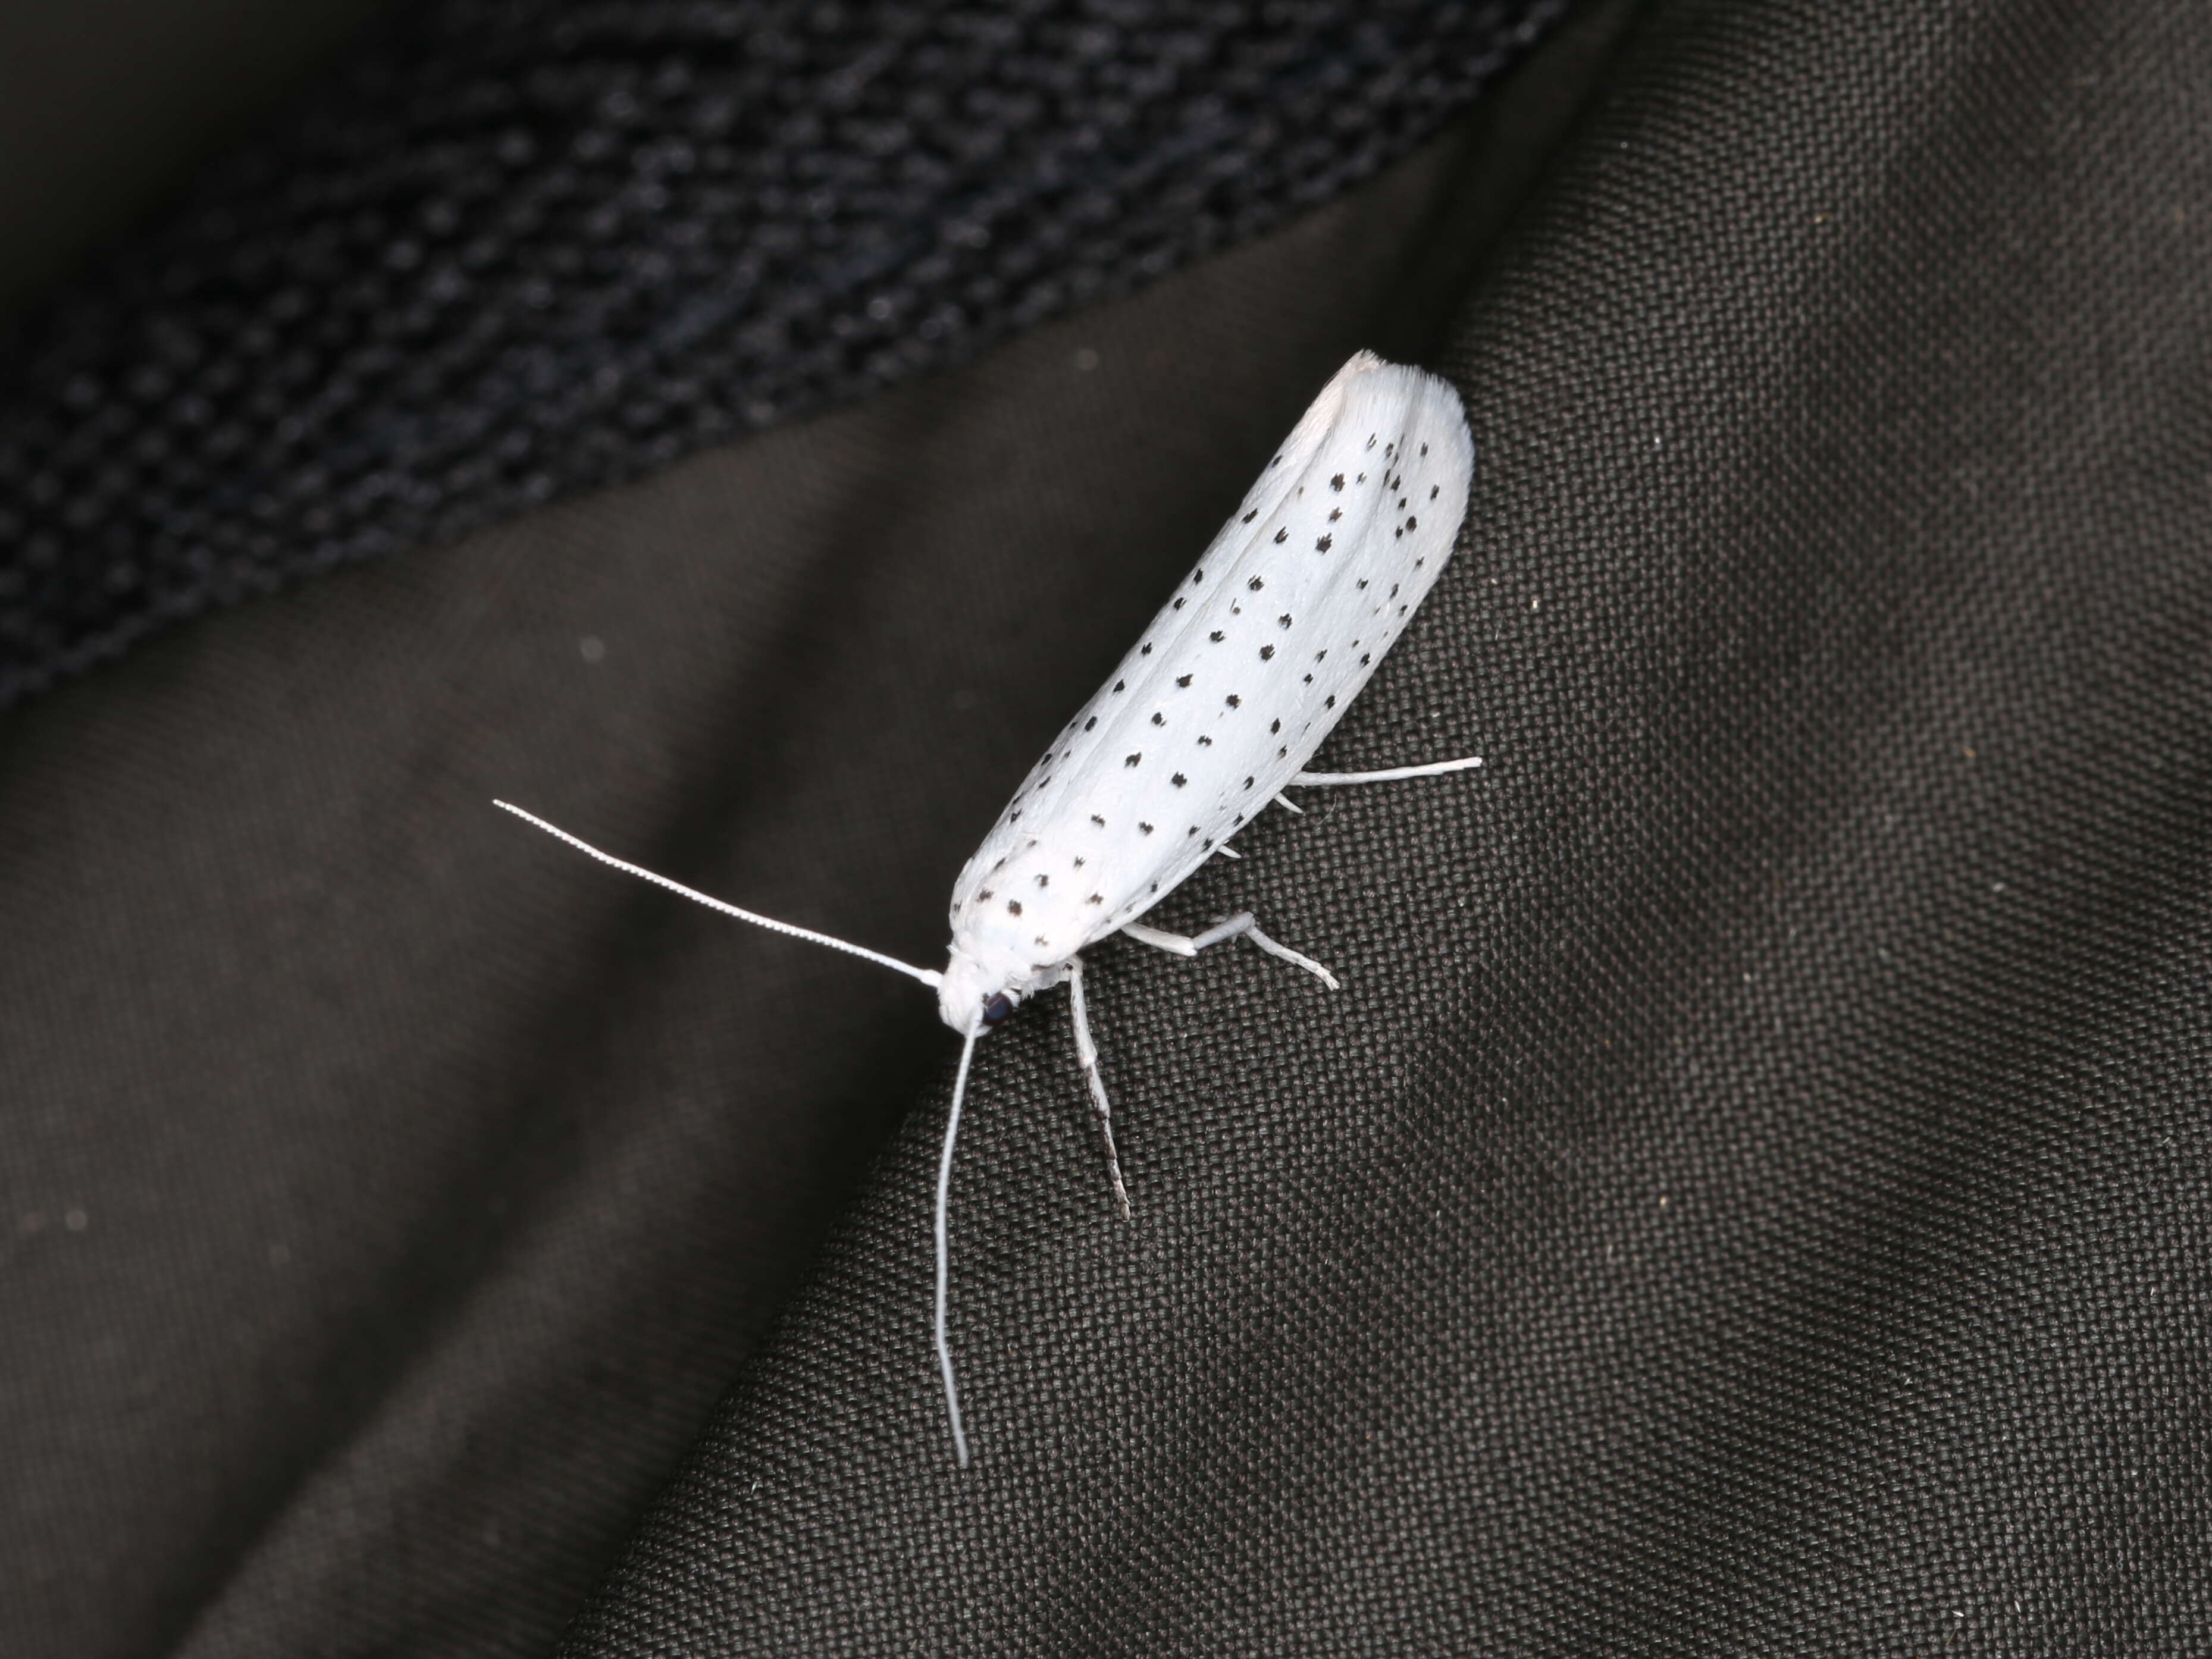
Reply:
x=525, y=247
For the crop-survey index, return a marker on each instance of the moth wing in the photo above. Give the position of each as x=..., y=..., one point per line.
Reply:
x=1241, y=674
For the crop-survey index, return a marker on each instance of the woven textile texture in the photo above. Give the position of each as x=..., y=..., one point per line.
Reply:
x=388, y=1201
x=526, y=247
x=1751, y=1196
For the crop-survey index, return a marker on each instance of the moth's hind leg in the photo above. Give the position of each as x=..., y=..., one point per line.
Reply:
x=1242, y=925
x=1389, y=775
x=1086, y=1056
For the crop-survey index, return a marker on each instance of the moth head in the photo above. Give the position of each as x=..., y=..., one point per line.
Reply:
x=973, y=997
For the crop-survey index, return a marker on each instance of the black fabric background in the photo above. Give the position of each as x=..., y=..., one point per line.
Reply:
x=1749, y=1198
x=429, y=1192
x=510, y=250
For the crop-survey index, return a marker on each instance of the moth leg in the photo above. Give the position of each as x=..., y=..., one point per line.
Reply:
x=1433, y=770
x=1242, y=925
x=1273, y=949
x=1288, y=805
x=1086, y=1056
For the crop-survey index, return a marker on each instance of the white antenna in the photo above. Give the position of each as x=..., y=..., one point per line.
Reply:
x=943, y=1209
x=929, y=976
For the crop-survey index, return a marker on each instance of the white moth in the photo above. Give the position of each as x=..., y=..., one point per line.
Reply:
x=1215, y=711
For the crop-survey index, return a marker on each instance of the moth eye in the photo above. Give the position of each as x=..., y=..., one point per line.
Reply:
x=998, y=1008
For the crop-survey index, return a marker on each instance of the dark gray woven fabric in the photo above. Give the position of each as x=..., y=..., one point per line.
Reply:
x=389, y=1194
x=1749, y=1198
x=526, y=247
x=1751, y=1194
